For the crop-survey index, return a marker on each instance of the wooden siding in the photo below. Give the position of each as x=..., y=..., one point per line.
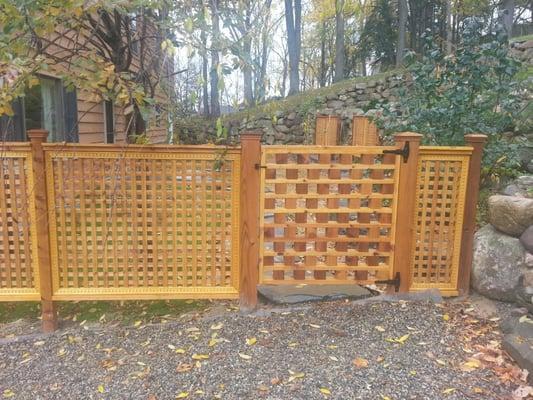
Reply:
x=91, y=125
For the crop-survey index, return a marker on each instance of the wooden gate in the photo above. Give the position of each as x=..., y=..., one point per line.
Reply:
x=328, y=214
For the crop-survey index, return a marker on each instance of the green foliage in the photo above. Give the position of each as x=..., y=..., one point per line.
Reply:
x=471, y=91
x=378, y=38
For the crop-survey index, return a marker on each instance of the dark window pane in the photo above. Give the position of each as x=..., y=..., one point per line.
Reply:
x=109, y=122
x=70, y=101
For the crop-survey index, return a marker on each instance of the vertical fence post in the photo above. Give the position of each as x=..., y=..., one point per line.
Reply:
x=48, y=311
x=477, y=141
x=405, y=207
x=249, y=210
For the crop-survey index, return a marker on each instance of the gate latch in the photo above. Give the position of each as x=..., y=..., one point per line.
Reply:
x=395, y=282
x=402, y=152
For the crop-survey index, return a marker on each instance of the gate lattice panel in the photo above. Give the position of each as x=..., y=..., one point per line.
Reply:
x=327, y=214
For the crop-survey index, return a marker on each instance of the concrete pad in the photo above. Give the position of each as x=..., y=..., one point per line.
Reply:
x=290, y=294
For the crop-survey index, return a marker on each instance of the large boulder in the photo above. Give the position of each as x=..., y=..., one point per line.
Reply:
x=527, y=239
x=510, y=214
x=498, y=264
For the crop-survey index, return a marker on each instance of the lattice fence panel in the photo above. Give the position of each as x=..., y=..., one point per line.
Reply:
x=19, y=274
x=327, y=214
x=438, y=220
x=133, y=225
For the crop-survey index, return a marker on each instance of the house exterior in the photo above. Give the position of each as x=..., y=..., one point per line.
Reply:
x=77, y=115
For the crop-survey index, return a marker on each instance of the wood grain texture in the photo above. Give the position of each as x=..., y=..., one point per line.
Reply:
x=249, y=225
x=323, y=218
x=477, y=142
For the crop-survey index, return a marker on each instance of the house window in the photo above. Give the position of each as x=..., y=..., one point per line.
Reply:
x=43, y=106
x=109, y=122
x=47, y=105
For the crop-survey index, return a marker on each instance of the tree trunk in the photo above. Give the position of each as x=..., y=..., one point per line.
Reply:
x=400, y=48
x=323, y=54
x=205, y=67
x=293, y=20
x=247, y=68
x=339, y=40
x=261, y=81
x=448, y=26
x=508, y=16
x=215, y=59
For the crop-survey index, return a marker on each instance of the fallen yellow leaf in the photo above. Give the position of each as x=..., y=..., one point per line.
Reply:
x=137, y=324
x=217, y=327
x=200, y=356
x=446, y=317
x=448, y=391
x=360, y=362
x=100, y=389
x=325, y=391
x=180, y=351
x=245, y=356
x=379, y=328
x=251, y=341
x=314, y=326
x=182, y=395
x=8, y=393
x=470, y=365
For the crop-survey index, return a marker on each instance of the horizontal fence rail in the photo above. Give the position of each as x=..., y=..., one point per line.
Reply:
x=19, y=272
x=327, y=214
x=131, y=223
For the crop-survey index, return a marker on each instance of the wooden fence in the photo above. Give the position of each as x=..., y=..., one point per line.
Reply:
x=81, y=222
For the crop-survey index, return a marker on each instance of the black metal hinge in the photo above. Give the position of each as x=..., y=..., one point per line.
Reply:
x=402, y=152
x=395, y=282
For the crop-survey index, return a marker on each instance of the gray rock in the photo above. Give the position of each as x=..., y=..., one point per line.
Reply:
x=361, y=85
x=290, y=294
x=525, y=182
x=509, y=214
x=521, y=350
x=498, y=264
x=527, y=239
x=282, y=128
x=335, y=104
x=529, y=260
x=514, y=190
x=292, y=115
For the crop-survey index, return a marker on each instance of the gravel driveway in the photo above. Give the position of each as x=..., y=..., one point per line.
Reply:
x=333, y=350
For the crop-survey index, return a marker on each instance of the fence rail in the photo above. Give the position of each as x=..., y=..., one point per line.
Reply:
x=81, y=222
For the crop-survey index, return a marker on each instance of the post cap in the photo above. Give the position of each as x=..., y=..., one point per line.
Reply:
x=411, y=136
x=251, y=135
x=37, y=134
x=476, y=138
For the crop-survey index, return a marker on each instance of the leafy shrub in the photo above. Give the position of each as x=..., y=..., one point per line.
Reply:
x=473, y=90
